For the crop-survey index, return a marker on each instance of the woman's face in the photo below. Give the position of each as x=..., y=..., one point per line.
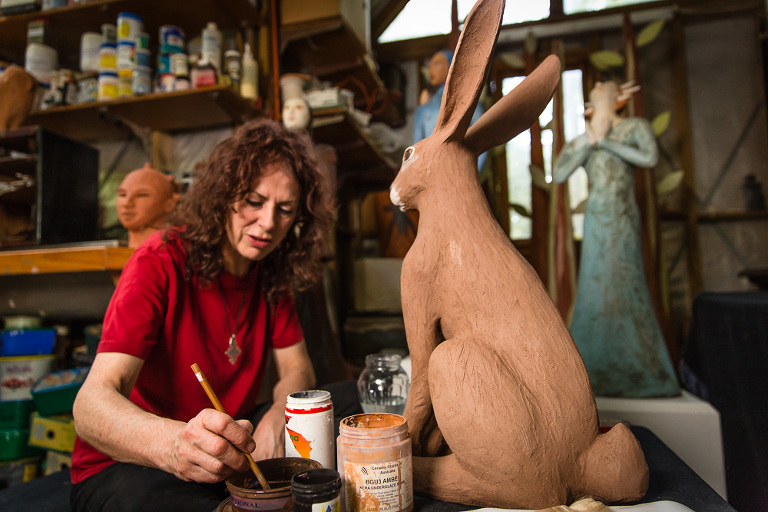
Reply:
x=258, y=223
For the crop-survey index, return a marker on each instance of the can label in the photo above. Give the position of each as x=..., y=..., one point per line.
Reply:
x=328, y=506
x=309, y=429
x=383, y=487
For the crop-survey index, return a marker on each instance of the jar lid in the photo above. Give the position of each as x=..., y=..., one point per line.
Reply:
x=315, y=481
x=129, y=15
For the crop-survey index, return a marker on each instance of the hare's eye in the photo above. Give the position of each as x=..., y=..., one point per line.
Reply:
x=408, y=152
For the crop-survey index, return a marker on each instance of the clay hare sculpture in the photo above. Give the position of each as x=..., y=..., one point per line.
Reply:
x=500, y=410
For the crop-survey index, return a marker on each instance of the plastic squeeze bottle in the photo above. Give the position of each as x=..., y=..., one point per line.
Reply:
x=249, y=87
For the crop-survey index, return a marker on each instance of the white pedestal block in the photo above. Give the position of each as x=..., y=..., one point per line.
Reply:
x=688, y=425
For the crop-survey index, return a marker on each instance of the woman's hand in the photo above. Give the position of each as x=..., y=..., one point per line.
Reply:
x=211, y=447
x=270, y=435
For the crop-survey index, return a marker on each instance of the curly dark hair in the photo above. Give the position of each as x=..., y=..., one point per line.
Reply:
x=228, y=176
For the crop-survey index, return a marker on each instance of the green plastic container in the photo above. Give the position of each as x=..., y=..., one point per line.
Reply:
x=55, y=393
x=16, y=414
x=14, y=445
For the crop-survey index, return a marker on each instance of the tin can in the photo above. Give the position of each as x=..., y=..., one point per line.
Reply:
x=124, y=83
x=375, y=463
x=129, y=25
x=108, y=57
x=143, y=57
x=167, y=82
x=107, y=85
x=142, y=80
x=171, y=39
x=125, y=55
x=142, y=41
x=109, y=33
x=309, y=426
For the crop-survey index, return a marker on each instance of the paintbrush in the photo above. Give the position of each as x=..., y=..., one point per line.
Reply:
x=215, y=401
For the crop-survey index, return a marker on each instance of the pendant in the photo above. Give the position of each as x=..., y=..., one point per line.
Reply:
x=233, y=351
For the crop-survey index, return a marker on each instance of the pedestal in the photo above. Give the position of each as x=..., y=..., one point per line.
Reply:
x=687, y=424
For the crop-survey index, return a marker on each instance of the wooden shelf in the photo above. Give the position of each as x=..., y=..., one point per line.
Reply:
x=68, y=23
x=361, y=164
x=194, y=109
x=64, y=259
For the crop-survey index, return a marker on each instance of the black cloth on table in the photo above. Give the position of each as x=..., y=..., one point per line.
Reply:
x=725, y=362
x=670, y=479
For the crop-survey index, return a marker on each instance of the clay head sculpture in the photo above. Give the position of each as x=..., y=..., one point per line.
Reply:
x=438, y=67
x=500, y=409
x=17, y=93
x=144, y=199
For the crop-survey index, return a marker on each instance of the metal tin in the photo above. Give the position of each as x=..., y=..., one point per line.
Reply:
x=142, y=41
x=109, y=33
x=141, y=80
x=124, y=83
x=108, y=57
x=108, y=85
x=129, y=25
x=125, y=55
x=171, y=39
x=143, y=57
x=375, y=463
x=309, y=426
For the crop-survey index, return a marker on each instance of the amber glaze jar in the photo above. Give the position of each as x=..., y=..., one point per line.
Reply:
x=374, y=461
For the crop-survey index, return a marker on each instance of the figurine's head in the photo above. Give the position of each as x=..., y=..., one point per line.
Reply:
x=296, y=114
x=609, y=96
x=439, y=66
x=144, y=199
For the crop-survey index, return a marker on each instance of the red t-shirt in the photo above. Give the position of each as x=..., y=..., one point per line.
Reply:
x=157, y=316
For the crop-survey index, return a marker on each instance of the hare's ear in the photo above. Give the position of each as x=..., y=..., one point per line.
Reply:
x=516, y=111
x=468, y=69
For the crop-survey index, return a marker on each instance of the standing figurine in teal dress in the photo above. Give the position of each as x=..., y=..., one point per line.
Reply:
x=614, y=324
x=425, y=118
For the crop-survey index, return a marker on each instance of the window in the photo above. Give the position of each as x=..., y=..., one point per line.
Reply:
x=422, y=18
x=419, y=18
x=518, y=156
x=574, y=6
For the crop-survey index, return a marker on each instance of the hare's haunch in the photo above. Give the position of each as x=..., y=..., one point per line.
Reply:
x=500, y=409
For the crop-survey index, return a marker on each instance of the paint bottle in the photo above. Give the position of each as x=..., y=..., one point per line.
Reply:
x=249, y=81
x=374, y=461
x=309, y=426
x=316, y=490
x=202, y=75
x=211, y=45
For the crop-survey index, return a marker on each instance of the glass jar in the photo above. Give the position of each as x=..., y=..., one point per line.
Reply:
x=316, y=489
x=375, y=463
x=383, y=385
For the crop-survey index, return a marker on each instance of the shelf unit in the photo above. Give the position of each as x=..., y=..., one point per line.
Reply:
x=68, y=23
x=74, y=258
x=362, y=166
x=172, y=112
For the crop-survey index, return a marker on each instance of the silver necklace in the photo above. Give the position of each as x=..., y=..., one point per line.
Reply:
x=233, y=350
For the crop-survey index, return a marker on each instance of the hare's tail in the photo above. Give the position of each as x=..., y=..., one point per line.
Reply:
x=614, y=467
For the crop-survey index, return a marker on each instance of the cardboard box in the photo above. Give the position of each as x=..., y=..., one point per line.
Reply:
x=354, y=13
x=56, y=461
x=377, y=285
x=53, y=432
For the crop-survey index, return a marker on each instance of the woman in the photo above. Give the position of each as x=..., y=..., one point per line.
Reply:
x=215, y=289
x=613, y=323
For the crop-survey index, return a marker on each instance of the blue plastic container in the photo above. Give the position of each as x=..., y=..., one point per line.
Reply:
x=27, y=342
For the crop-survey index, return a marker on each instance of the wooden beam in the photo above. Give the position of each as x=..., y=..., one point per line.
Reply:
x=384, y=15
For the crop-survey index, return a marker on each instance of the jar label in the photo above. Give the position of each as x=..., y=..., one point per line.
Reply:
x=327, y=506
x=383, y=487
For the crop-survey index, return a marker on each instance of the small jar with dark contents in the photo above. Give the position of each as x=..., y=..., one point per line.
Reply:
x=316, y=489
